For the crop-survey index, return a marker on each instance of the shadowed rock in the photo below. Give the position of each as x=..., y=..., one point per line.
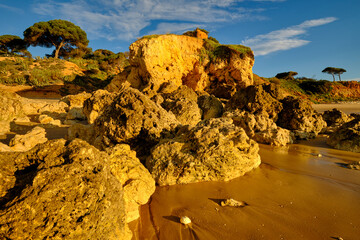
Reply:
x=298, y=116
x=62, y=190
x=347, y=137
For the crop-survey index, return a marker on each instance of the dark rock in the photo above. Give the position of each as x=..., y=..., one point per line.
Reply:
x=347, y=137
x=255, y=99
x=298, y=115
x=62, y=191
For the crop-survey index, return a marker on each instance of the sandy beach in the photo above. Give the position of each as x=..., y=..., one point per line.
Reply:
x=294, y=194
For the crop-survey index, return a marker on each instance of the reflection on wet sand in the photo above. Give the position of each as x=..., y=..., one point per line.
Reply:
x=299, y=192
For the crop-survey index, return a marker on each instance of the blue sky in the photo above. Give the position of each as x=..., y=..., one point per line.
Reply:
x=286, y=35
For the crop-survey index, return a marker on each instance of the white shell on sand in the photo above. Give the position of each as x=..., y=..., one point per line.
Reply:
x=185, y=220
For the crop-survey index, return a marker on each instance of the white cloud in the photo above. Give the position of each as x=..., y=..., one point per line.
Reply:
x=124, y=19
x=284, y=39
x=12, y=9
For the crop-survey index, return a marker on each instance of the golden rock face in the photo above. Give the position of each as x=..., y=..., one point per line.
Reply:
x=183, y=60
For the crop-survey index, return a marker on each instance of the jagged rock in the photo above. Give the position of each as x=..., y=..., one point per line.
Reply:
x=157, y=60
x=76, y=113
x=211, y=107
x=29, y=140
x=255, y=99
x=76, y=100
x=214, y=150
x=21, y=119
x=261, y=128
x=138, y=185
x=96, y=103
x=298, y=116
x=62, y=191
x=335, y=118
x=4, y=148
x=232, y=203
x=45, y=119
x=57, y=107
x=353, y=165
x=183, y=104
x=133, y=117
x=83, y=131
x=346, y=137
x=10, y=108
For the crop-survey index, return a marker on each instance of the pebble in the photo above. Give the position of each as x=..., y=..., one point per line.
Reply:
x=319, y=155
x=185, y=220
x=232, y=203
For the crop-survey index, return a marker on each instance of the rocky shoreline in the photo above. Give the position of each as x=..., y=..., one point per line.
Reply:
x=169, y=120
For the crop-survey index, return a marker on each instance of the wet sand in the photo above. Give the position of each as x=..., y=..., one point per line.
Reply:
x=353, y=107
x=294, y=194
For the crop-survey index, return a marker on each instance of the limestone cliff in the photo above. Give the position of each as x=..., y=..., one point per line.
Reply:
x=202, y=64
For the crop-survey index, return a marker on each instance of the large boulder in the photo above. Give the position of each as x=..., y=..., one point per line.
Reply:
x=29, y=140
x=133, y=118
x=255, y=99
x=183, y=104
x=61, y=190
x=335, y=118
x=96, y=103
x=10, y=108
x=214, y=150
x=298, y=116
x=211, y=107
x=202, y=65
x=261, y=128
x=138, y=185
x=347, y=137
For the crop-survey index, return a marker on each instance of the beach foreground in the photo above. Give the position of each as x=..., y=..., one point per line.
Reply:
x=294, y=194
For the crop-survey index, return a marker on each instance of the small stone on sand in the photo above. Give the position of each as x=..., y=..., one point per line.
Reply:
x=185, y=220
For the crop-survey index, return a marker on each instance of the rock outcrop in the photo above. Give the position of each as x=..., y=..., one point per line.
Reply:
x=183, y=104
x=200, y=64
x=138, y=185
x=29, y=140
x=96, y=103
x=133, y=118
x=335, y=118
x=255, y=99
x=346, y=137
x=261, y=128
x=210, y=106
x=298, y=116
x=10, y=108
x=214, y=150
x=61, y=190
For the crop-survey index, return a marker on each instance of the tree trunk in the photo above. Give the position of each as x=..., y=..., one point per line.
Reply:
x=57, y=50
x=333, y=77
x=339, y=77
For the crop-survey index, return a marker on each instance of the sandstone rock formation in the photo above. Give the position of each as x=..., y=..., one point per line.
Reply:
x=61, y=190
x=261, y=128
x=346, y=137
x=214, y=150
x=183, y=60
x=335, y=118
x=96, y=103
x=183, y=104
x=133, y=117
x=10, y=108
x=210, y=106
x=138, y=185
x=255, y=99
x=298, y=116
x=29, y=140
